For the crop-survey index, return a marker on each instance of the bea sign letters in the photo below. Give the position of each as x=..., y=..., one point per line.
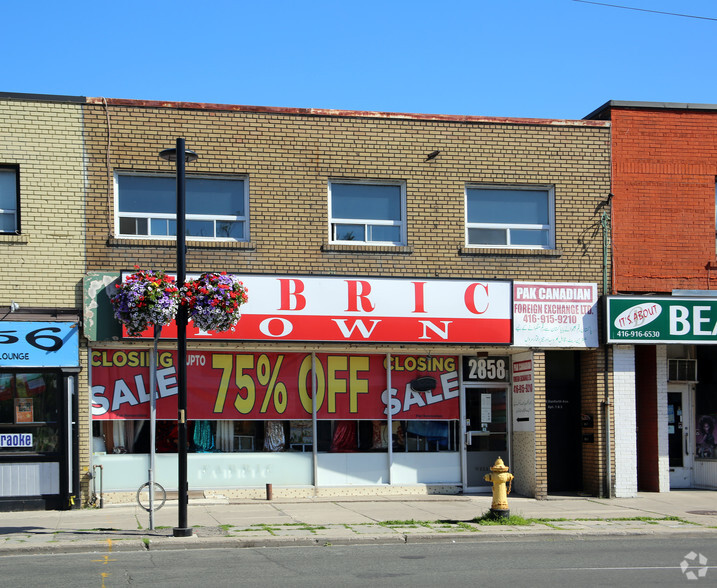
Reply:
x=643, y=319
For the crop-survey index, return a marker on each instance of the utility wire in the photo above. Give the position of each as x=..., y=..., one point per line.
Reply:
x=646, y=10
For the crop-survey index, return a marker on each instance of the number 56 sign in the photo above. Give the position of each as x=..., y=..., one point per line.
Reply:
x=39, y=344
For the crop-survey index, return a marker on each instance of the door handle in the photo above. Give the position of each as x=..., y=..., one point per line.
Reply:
x=687, y=444
x=469, y=438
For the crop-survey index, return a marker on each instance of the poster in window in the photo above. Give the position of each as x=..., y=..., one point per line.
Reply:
x=24, y=410
x=705, y=438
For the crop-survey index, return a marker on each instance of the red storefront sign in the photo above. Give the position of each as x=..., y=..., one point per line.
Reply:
x=225, y=385
x=308, y=308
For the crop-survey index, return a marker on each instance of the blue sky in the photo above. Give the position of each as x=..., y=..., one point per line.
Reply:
x=518, y=58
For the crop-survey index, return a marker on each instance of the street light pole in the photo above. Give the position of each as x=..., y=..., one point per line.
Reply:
x=182, y=529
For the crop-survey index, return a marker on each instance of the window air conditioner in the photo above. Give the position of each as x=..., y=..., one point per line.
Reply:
x=682, y=370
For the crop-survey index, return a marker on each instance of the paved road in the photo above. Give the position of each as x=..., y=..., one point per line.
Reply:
x=617, y=561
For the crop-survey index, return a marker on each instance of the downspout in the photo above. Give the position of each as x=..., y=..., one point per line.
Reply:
x=605, y=218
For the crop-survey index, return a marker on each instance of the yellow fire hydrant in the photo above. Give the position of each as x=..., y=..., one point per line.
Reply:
x=500, y=477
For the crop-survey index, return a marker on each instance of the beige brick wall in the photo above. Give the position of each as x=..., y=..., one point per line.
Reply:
x=44, y=265
x=289, y=159
x=593, y=380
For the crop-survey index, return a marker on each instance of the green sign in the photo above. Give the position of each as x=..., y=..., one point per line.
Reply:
x=646, y=319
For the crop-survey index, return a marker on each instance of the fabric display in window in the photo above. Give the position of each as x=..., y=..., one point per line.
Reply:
x=274, y=439
x=225, y=436
x=398, y=436
x=203, y=437
x=344, y=439
x=167, y=435
x=119, y=437
x=300, y=433
x=431, y=431
x=380, y=435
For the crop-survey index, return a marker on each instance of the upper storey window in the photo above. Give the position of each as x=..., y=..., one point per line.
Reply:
x=369, y=213
x=216, y=207
x=510, y=216
x=9, y=200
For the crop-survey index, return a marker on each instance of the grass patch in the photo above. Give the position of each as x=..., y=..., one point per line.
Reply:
x=515, y=520
x=271, y=529
x=408, y=524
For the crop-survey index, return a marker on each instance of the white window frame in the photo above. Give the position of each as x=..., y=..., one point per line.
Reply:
x=550, y=227
x=188, y=217
x=15, y=212
x=367, y=223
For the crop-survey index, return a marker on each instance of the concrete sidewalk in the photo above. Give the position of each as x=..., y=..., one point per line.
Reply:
x=325, y=521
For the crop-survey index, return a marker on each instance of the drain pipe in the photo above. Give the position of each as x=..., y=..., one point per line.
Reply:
x=605, y=223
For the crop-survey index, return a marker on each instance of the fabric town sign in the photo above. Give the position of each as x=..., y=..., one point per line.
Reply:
x=375, y=310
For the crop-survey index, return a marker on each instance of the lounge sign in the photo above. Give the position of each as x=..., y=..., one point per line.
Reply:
x=39, y=344
x=372, y=310
x=643, y=319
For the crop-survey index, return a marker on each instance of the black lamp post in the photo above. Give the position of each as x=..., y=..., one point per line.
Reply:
x=182, y=529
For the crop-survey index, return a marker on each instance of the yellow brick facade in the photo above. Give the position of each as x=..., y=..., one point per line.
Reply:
x=43, y=266
x=289, y=159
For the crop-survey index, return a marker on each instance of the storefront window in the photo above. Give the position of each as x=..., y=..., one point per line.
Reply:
x=29, y=412
x=706, y=405
x=262, y=401
x=338, y=436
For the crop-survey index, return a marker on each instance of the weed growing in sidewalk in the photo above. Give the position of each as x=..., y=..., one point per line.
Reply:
x=489, y=518
x=410, y=524
x=272, y=529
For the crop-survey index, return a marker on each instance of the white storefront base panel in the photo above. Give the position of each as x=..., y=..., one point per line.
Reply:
x=352, y=469
x=205, y=471
x=426, y=468
x=29, y=479
x=706, y=474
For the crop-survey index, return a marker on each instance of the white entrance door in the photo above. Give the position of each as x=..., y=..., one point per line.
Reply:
x=680, y=434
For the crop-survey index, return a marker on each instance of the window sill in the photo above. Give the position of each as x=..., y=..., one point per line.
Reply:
x=14, y=239
x=172, y=244
x=487, y=251
x=382, y=249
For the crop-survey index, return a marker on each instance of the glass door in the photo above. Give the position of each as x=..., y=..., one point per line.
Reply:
x=486, y=438
x=680, y=437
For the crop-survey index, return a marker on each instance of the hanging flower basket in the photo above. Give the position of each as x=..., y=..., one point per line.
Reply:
x=213, y=301
x=144, y=299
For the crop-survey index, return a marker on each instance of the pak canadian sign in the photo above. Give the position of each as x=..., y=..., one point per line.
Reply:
x=554, y=314
x=268, y=386
x=375, y=310
x=647, y=319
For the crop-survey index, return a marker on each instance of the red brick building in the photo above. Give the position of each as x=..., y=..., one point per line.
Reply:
x=664, y=163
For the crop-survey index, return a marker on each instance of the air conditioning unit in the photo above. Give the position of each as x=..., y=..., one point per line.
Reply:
x=682, y=370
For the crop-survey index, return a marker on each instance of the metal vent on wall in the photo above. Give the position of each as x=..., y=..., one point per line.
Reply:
x=682, y=370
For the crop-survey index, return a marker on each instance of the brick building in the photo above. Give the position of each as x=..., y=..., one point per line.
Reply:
x=42, y=247
x=664, y=164
x=334, y=205
x=422, y=298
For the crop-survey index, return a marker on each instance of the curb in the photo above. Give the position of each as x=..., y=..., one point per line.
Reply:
x=143, y=544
